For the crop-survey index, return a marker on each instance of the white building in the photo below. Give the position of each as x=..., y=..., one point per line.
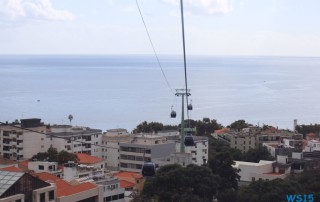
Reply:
x=44, y=166
x=199, y=152
x=17, y=144
x=312, y=145
x=110, y=146
x=76, y=139
x=143, y=148
x=264, y=170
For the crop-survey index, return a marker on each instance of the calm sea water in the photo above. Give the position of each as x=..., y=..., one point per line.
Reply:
x=107, y=92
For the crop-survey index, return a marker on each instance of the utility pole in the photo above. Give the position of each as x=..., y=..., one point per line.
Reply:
x=182, y=93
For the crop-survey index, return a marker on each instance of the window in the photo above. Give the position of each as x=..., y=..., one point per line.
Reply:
x=253, y=179
x=121, y=196
x=42, y=197
x=41, y=167
x=115, y=197
x=107, y=199
x=51, y=195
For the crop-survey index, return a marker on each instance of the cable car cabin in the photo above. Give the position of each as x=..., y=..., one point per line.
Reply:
x=148, y=169
x=173, y=114
x=190, y=107
x=188, y=140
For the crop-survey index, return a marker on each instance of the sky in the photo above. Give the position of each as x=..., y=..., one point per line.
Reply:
x=212, y=27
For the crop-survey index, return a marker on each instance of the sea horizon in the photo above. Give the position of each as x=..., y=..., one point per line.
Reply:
x=110, y=91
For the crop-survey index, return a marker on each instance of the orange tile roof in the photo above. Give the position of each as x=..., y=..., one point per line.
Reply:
x=129, y=175
x=63, y=190
x=63, y=187
x=11, y=169
x=223, y=130
x=5, y=161
x=87, y=159
x=126, y=184
x=24, y=163
x=46, y=176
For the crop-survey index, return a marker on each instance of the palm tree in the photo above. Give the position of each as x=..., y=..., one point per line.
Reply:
x=70, y=117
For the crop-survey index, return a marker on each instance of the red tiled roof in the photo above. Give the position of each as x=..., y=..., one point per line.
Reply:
x=126, y=184
x=5, y=161
x=128, y=175
x=11, y=169
x=63, y=187
x=24, y=165
x=223, y=130
x=46, y=176
x=63, y=190
x=87, y=159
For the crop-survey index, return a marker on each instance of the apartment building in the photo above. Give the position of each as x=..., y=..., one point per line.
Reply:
x=17, y=144
x=250, y=138
x=142, y=148
x=80, y=173
x=76, y=139
x=111, y=140
x=199, y=152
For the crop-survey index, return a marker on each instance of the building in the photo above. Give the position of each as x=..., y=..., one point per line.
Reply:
x=250, y=138
x=18, y=140
x=76, y=139
x=264, y=170
x=199, y=152
x=131, y=181
x=17, y=144
x=67, y=192
x=143, y=148
x=110, y=146
x=19, y=186
x=312, y=145
x=44, y=166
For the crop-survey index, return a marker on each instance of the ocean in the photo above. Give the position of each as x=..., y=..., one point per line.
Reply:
x=121, y=91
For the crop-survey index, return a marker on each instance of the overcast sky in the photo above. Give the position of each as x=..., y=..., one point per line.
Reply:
x=213, y=27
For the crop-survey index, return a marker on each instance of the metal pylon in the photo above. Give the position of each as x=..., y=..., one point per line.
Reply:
x=182, y=93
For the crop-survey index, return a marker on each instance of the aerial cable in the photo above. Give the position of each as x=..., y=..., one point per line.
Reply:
x=55, y=136
x=184, y=58
x=154, y=50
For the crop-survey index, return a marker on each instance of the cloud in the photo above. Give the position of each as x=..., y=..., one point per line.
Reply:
x=205, y=6
x=35, y=9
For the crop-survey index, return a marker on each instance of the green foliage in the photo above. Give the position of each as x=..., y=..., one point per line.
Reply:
x=238, y=125
x=176, y=183
x=257, y=154
x=305, y=129
x=151, y=127
x=64, y=157
x=52, y=155
x=205, y=127
x=221, y=165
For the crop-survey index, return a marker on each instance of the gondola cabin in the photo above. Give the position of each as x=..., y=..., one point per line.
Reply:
x=188, y=140
x=190, y=107
x=173, y=114
x=148, y=169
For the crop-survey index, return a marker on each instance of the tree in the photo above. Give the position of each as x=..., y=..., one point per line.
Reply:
x=239, y=125
x=151, y=127
x=52, y=154
x=64, y=157
x=176, y=183
x=257, y=154
x=221, y=165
